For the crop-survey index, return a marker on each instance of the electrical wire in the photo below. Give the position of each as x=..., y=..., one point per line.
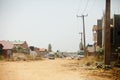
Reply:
x=118, y=2
x=115, y=7
x=79, y=6
x=85, y=7
x=92, y=6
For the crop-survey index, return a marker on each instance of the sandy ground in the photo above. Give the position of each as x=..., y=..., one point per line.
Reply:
x=43, y=70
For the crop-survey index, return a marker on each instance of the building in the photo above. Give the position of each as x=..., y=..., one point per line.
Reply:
x=37, y=51
x=43, y=51
x=90, y=50
x=114, y=35
x=1, y=47
x=98, y=32
x=7, y=45
x=21, y=46
x=94, y=29
x=40, y=51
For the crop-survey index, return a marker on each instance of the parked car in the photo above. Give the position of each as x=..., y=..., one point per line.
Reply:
x=80, y=55
x=51, y=55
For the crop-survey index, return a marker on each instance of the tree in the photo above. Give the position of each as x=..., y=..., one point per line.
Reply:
x=100, y=53
x=14, y=49
x=18, y=49
x=49, y=48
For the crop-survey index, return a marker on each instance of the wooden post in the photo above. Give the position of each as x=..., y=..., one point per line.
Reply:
x=107, y=34
x=84, y=33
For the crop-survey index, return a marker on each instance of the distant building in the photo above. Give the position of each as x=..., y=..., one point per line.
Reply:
x=94, y=36
x=94, y=33
x=90, y=50
x=40, y=51
x=21, y=44
x=99, y=32
x=6, y=46
x=43, y=51
x=37, y=51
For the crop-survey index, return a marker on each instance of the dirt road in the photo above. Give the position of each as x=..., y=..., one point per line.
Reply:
x=41, y=70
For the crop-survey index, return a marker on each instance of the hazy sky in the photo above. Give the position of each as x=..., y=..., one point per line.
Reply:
x=40, y=22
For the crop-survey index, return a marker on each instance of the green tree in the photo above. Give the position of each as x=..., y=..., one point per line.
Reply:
x=49, y=48
x=100, y=53
x=14, y=49
x=18, y=49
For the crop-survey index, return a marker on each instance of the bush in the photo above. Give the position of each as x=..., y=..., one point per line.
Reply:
x=100, y=51
x=19, y=49
x=1, y=58
x=100, y=54
x=89, y=61
x=29, y=57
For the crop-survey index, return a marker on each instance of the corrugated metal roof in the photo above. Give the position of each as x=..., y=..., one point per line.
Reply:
x=6, y=44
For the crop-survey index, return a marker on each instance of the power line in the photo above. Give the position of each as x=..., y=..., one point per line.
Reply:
x=118, y=7
x=93, y=5
x=79, y=6
x=115, y=6
x=85, y=7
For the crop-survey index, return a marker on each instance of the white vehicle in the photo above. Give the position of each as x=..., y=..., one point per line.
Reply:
x=51, y=55
x=80, y=55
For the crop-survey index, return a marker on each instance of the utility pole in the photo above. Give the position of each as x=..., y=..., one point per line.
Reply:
x=81, y=37
x=84, y=33
x=107, y=34
x=81, y=43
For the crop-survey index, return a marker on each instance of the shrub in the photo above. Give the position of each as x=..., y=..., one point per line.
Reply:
x=1, y=57
x=88, y=61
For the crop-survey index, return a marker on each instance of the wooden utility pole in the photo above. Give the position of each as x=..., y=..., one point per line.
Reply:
x=81, y=43
x=84, y=33
x=107, y=34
